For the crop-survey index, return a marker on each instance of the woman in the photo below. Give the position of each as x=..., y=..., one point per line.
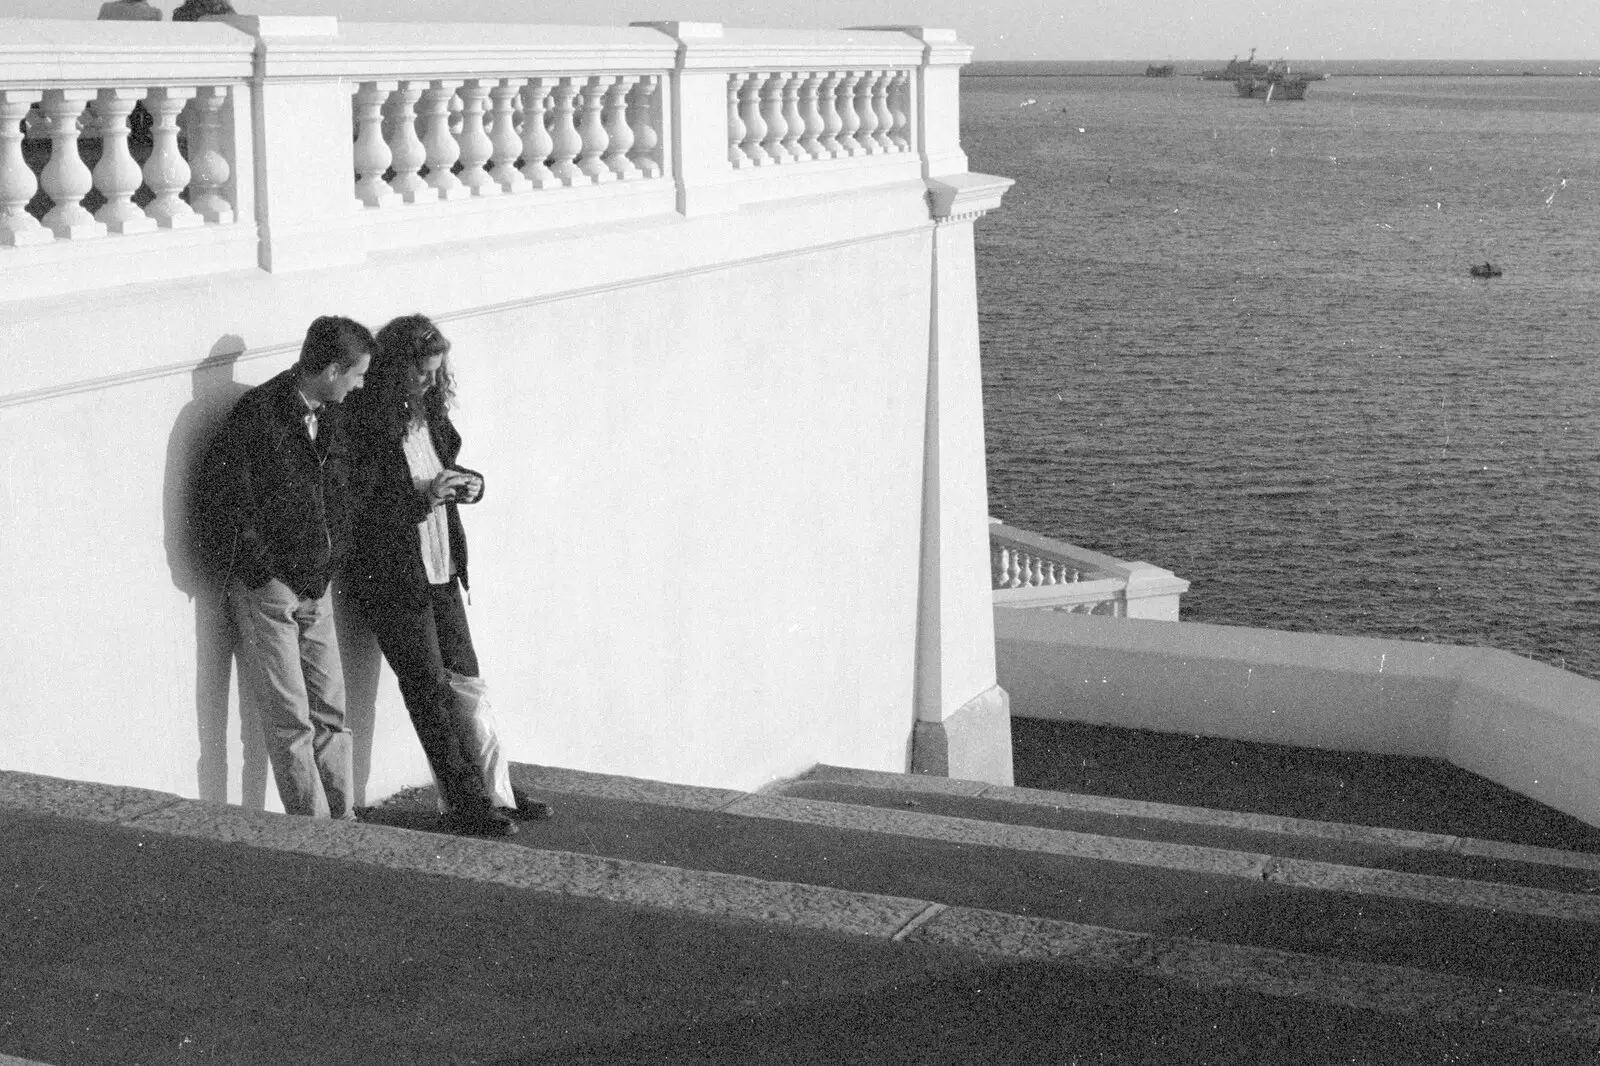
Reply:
x=408, y=565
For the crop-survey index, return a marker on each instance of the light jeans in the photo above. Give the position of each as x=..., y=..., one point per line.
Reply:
x=289, y=661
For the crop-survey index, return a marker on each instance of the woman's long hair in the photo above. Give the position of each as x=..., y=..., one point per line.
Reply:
x=384, y=401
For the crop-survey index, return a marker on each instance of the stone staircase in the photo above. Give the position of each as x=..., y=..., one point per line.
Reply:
x=1489, y=947
x=847, y=916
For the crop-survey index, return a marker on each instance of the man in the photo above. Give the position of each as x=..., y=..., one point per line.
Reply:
x=274, y=524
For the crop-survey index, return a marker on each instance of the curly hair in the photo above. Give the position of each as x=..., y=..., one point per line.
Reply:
x=404, y=345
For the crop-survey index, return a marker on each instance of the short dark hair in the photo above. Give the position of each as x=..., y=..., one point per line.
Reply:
x=335, y=339
x=195, y=10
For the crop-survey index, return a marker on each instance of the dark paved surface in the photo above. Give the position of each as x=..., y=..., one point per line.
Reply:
x=1438, y=863
x=1464, y=941
x=123, y=947
x=1395, y=791
x=119, y=946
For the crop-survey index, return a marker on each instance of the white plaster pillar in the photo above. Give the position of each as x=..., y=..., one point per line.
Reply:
x=963, y=724
x=304, y=157
x=695, y=118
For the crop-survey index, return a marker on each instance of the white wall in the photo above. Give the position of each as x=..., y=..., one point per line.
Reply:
x=697, y=558
x=1530, y=727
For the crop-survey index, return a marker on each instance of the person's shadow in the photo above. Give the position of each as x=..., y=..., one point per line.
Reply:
x=214, y=394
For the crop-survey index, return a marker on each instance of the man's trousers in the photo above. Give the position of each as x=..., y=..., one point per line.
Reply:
x=289, y=661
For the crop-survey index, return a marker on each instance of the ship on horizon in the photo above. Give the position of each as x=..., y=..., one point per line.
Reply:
x=1278, y=83
x=1236, y=70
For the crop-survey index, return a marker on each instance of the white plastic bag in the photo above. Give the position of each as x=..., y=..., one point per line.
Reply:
x=480, y=741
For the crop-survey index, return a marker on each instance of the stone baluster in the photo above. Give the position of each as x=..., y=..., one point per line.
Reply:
x=619, y=134
x=166, y=172
x=772, y=115
x=880, y=108
x=755, y=128
x=794, y=125
x=116, y=175
x=473, y=140
x=736, y=131
x=209, y=183
x=406, y=150
x=438, y=142
x=65, y=179
x=900, y=111
x=503, y=135
x=849, y=121
x=565, y=140
x=646, y=153
x=536, y=143
x=810, y=119
x=869, y=117
x=828, y=110
x=372, y=153
x=17, y=183
x=591, y=127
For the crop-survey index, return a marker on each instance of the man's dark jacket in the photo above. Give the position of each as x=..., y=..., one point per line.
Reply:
x=271, y=502
x=385, y=566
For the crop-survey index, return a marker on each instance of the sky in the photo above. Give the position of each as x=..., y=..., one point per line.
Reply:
x=1051, y=29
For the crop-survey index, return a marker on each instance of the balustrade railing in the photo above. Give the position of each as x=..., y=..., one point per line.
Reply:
x=84, y=163
x=1032, y=571
x=439, y=140
x=299, y=142
x=799, y=116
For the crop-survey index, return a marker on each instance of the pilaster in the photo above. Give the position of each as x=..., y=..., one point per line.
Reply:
x=958, y=727
x=304, y=156
x=696, y=114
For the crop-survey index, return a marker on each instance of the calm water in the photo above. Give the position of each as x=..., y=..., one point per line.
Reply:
x=1239, y=340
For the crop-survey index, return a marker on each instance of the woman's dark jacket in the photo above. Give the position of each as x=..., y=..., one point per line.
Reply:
x=383, y=567
x=270, y=502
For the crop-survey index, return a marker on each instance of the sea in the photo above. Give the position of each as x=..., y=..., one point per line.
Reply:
x=1239, y=339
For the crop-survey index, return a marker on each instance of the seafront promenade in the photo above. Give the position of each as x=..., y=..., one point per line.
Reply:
x=845, y=917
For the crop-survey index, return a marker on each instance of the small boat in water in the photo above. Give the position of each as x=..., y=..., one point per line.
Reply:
x=1484, y=270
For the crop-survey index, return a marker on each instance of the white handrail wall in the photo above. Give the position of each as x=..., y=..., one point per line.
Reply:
x=1530, y=727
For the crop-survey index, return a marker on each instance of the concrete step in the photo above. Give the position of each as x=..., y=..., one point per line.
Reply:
x=1284, y=838
x=1188, y=923
x=1474, y=944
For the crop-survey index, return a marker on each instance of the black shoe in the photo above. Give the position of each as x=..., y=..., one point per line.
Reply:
x=529, y=809
x=480, y=822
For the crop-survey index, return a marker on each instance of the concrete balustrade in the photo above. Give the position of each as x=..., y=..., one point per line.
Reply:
x=1530, y=727
x=807, y=116
x=320, y=142
x=1042, y=573
x=122, y=146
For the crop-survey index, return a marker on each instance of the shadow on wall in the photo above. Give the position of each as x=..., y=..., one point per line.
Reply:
x=214, y=394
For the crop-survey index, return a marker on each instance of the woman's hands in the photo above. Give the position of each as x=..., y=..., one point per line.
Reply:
x=446, y=487
x=454, y=486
